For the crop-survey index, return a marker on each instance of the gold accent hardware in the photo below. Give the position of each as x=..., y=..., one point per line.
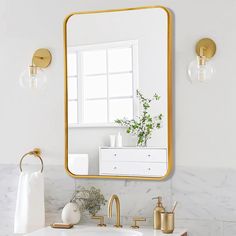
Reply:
x=31, y=78
x=169, y=92
x=167, y=222
x=33, y=70
x=157, y=213
x=61, y=226
x=101, y=219
x=206, y=47
x=117, y=201
x=42, y=58
x=136, y=219
x=37, y=153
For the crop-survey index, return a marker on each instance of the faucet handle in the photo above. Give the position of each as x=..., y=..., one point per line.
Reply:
x=136, y=219
x=101, y=219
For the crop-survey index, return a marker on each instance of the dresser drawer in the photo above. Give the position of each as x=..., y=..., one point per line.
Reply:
x=133, y=155
x=133, y=169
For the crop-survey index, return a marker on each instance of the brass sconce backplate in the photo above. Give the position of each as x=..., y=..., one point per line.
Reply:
x=42, y=58
x=208, y=45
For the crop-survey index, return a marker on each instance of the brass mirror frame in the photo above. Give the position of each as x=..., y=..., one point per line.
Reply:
x=169, y=93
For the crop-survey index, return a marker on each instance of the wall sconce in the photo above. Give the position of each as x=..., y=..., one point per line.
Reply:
x=201, y=69
x=34, y=77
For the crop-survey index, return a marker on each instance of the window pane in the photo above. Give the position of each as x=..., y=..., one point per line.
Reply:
x=94, y=62
x=72, y=64
x=72, y=88
x=120, y=59
x=95, y=111
x=72, y=112
x=95, y=86
x=120, y=85
x=121, y=108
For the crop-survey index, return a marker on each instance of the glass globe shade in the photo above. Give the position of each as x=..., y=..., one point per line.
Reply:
x=200, y=71
x=35, y=80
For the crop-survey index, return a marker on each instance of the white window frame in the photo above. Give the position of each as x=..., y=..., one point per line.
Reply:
x=104, y=46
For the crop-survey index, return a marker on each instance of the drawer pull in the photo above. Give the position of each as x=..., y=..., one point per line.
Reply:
x=115, y=154
x=114, y=168
x=149, y=168
x=149, y=155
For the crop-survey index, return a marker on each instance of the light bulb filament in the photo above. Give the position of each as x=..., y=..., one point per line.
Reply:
x=33, y=70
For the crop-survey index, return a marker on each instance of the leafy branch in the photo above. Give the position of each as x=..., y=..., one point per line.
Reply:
x=145, y=124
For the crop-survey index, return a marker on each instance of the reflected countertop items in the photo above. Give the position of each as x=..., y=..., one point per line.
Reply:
x=78, y=163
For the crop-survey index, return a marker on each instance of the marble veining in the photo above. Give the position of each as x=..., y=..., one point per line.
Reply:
x=205, y=194
x=206, y=197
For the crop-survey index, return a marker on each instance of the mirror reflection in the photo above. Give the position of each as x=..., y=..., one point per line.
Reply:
x=117, y=93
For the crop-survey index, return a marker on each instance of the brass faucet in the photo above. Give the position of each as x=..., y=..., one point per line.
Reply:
x=117, y=201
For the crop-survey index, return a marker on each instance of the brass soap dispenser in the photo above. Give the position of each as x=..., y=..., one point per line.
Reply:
x=157, y=213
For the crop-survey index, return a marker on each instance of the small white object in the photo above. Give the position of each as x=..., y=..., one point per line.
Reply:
x=30, y=210
x=112, y=140
x=119, y=140
x=71, y=214
x=78, y=164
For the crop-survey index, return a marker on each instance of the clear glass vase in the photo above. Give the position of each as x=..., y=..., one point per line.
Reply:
x=143, y=144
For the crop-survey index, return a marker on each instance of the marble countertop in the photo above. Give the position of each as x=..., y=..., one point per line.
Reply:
x=143, y=231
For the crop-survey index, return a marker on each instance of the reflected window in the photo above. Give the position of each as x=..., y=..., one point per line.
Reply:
x=102, y=81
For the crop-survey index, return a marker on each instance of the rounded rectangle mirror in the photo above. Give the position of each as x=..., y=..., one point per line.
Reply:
x=118, y=93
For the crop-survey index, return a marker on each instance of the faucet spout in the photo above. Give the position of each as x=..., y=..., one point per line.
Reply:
x=110, y=203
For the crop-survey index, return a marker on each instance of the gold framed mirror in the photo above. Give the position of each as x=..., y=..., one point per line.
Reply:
x=118, y=93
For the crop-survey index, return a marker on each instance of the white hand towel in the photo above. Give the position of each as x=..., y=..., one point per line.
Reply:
x=30, y=210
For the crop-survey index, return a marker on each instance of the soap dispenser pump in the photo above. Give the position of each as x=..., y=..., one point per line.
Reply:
x=157, y=213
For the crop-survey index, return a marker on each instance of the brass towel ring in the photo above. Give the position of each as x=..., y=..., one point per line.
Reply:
x=36, y=152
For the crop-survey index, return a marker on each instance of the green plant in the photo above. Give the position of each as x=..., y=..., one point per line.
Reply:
x=145, y=124
x=89, y=200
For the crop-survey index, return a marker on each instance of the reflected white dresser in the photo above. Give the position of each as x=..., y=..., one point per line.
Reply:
x=133, y=161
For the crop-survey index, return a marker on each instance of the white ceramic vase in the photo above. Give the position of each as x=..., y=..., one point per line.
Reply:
x=71, y=214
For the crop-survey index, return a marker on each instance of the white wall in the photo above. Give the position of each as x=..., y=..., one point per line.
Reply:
x=204, y=113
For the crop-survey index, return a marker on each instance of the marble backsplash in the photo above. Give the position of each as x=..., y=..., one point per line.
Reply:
x=207, y=197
